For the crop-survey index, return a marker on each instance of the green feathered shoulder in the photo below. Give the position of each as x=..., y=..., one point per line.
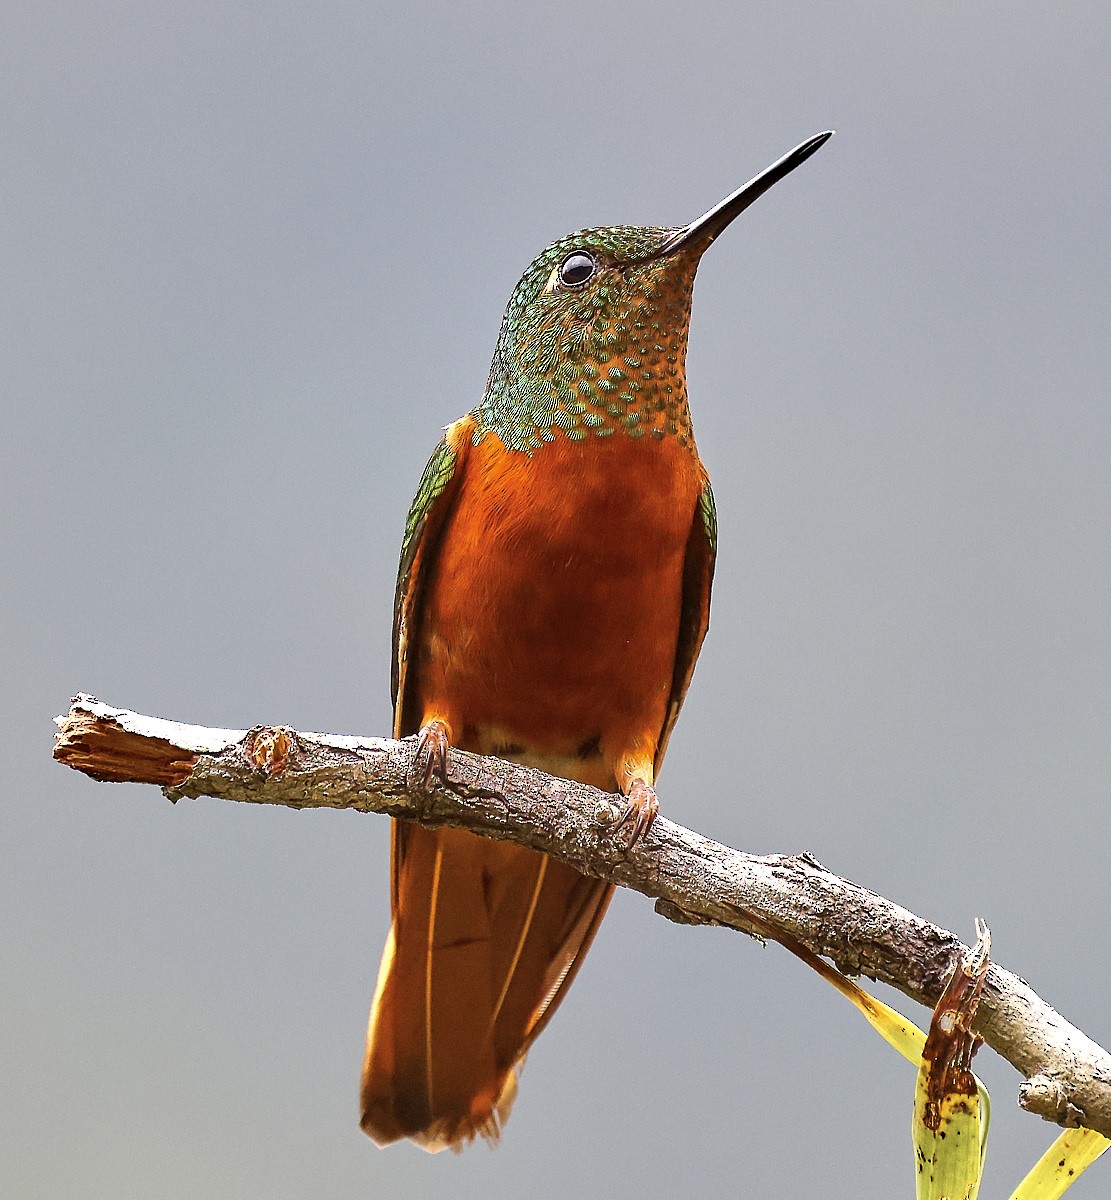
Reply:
x=423, y=526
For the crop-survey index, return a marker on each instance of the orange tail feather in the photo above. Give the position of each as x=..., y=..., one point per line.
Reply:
x=486, y=937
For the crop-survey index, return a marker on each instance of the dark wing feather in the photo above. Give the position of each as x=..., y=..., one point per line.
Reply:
x=423, y=526
x=694, y=616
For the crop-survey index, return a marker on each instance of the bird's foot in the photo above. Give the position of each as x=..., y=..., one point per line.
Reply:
x=641, y=809
x=430, y=760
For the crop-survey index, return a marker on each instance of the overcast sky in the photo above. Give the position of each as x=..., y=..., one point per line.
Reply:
x=254, y=258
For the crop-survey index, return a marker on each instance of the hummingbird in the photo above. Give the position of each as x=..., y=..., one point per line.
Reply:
x=552, y=597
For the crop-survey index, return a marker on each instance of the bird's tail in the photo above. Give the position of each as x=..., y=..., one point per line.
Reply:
x=486, y=938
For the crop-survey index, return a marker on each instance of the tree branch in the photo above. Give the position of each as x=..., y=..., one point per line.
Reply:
x=693, y=879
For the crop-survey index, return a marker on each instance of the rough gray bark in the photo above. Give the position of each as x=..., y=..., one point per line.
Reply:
x=785, y=897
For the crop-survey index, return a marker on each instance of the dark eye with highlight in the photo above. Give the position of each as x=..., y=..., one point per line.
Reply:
x=577, y=268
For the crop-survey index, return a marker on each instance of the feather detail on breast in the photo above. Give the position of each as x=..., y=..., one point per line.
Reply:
x=552, y=613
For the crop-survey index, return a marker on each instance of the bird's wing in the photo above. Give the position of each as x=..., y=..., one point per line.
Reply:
x=423, y=527
x=694, y=615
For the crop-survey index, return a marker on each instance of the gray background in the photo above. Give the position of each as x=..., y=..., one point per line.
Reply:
x=254, y=258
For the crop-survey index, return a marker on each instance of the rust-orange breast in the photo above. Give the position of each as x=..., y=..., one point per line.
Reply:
x=552, y=609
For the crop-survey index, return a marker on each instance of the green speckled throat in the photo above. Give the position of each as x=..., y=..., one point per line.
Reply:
x=605, y=357
x=599, y=348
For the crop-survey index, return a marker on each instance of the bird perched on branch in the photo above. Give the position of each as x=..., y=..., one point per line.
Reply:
x=552, y=597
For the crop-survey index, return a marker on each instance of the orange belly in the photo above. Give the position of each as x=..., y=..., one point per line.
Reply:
x=551, y=620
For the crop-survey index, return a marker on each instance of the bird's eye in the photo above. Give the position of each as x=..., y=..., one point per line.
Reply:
x=576, y=268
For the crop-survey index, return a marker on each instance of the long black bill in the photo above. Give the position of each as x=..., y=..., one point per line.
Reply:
x=702, y=232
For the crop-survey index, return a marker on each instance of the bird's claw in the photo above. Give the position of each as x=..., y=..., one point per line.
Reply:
x=430, y=760
x=641, y=809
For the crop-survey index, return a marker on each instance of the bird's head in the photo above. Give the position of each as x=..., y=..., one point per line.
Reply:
x=594, y=336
